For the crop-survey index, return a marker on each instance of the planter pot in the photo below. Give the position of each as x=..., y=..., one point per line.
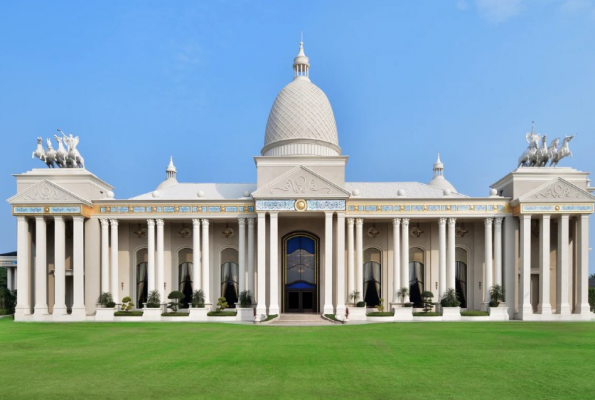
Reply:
x=223, y=319
x=104, y=314
x=380, y=319
x=499, y=313
x=451, y=313
x=245, y=314
x=198, y=314
x=403, y=313
x=151, y=314
x=357, y=313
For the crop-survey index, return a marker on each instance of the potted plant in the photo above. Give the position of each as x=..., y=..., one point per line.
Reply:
x=220, y=310
x=198, y=311
x=402, y=293
x=354, y=296
x=221, y=304
x=245, y=310
x=174, y=304
x=451, y=310
x=105, y=309
x=426, y=297
x=152, y=310
x=497, y=308
x=126, y=309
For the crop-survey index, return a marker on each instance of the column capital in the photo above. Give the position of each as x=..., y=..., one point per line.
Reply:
x=498, y=221
x=39, y=218
x=195, y=222
x=159, y=222
x=61, y=218
x=359, y=221
x=350, y=221
x=274, y=215
x=78, y=218
x=242, y=221
x=328, y=214
x=205, y=222
x=488, y=221
x=442, y=221
x=405, y=222
x=545, y=216
x=396, y=221
x=251, y=222
x=150, y=222
x=104, y=222
x=113, y=222
x=452, y=222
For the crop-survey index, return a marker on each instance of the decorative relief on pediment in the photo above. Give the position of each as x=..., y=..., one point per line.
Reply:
x=48, y=193
x=301, y=184
x=558, y=191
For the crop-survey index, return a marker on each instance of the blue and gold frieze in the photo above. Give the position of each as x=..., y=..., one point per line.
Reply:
x=421, y=208
x=556, y=208
x=49, y=210
x=174, y=209
x=300, y=205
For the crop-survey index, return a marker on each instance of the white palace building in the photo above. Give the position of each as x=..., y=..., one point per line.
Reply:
x=301, y=238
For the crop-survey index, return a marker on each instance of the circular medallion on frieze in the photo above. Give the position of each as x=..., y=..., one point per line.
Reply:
x=47, y=209
x=557, y=208
x=425, y=208
x=301, y=205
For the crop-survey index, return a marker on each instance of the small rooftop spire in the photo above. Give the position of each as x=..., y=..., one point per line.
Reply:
x=301, y=64
x=438, y=167
x=171, y=171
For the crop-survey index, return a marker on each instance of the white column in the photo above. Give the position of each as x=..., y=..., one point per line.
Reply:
x=105, y=255
x=441, y=256
x=151, y=255
x=509, y=270
x=583, y=272
x=10, y=279
x=405, y=256
x=23, y=306
x=114, y=261
x=328, y=263
x=242, y=253
x=78, y=266
x=196, y=271
x=206, y=264
x=359, y=257
x=251, y=255
x=498, y=251
x=544, y=307
x=41, y=268
x=350, y=255
x=341, y=297
x=450, y=255
x=488, y=222
x=396, y=258
x=59, y=266
x=274, y=264
x=160, y=261
x=525, y=308
x=562, y=302
x=261, y=309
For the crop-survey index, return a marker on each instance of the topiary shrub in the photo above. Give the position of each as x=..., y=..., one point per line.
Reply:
x=127, y=304
x=380, y=306
x=175, y=298
x=592, y=298
x=496, y=295
x=221, y=304
x=246, y=298
x=450, y=298
x=8, y=301
x=354, y=296
x=426, y=297
x=402, y=293
x=361, y=304
x=105, y=300
x=198, y=298
x=153, y=299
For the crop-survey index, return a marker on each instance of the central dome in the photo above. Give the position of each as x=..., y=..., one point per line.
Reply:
x=301, y=121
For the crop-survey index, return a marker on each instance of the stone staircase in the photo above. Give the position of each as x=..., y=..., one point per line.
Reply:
x=300, y=319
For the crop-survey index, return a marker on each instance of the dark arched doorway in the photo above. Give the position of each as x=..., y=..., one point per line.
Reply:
x=300, y=272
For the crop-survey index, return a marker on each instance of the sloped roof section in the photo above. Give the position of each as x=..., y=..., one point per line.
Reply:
x=209, y=191
x=299, y=182
x=390, y=190
x=46, y=191
x=556, y=190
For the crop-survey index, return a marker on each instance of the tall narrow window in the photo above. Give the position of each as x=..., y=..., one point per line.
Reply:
x=142, y=288
x=185, y=275
x=416, y=275
x=230, y=276
x=461, y=275
x=372, y=277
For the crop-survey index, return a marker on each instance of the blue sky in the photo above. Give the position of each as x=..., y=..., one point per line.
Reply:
x=140, y=81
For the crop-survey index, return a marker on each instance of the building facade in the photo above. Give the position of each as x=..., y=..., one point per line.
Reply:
x=302, y=238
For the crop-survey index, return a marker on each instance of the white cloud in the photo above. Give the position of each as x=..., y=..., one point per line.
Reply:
x=498, y=11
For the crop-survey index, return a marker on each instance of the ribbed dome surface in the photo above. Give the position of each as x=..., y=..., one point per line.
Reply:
x=440, y=182
x=301, y=122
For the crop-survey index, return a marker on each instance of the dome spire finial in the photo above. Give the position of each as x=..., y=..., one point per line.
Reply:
x=171, y=171
x=301, y=63
x=438, y=167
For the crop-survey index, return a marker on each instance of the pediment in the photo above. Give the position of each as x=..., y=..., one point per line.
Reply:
x=46, y=192
x=300, y=182
x=556, y=191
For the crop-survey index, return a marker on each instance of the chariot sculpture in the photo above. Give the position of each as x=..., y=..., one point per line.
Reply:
x=538, y=153
x=63, y=157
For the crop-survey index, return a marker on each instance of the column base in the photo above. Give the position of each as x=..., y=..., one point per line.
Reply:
x=583, y=309
x=21, y=312
x=545, y=309
x=40, y=314
x=79, y=313
x=328, y=309
x=341, y=309
x=273, y=310
x=563, y=309
x=525, y=312
x=261, y=313
x=60, y=311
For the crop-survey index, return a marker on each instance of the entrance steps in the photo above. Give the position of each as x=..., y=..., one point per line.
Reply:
x=300, y=319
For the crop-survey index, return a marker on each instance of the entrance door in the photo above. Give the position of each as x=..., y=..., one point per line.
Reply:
x=300, y=272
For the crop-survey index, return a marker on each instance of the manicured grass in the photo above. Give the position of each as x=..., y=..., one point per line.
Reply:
x=222, y=313
x=174, y=314
x=128, y=314
x=474, y=313
x=508, y=360
x=381, y=314
x=427, y=314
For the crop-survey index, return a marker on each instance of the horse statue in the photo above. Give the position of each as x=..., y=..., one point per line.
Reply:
x=528, y=157
x=541, y=155
x=50, y=155
x=61, y=153
x=39, y=152
x=564, y=151
x=73, y=158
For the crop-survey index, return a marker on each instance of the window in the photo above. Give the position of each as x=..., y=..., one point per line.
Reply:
x=142, y=288
x=372, y=277
x=230, y=272
x=461, y=275
x=185, y=284
x=416, y=275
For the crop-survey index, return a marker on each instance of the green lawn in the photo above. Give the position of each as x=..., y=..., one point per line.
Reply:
x=383, y=361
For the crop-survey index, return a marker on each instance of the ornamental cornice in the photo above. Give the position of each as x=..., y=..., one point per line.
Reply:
x=145, y=209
